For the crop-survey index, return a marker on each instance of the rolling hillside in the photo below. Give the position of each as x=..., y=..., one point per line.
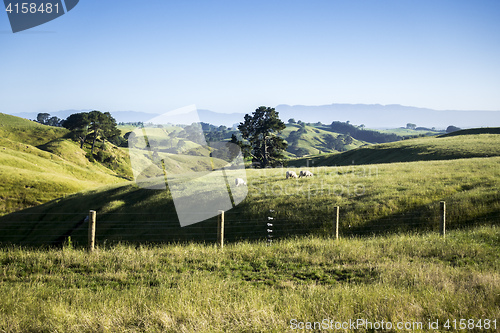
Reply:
x=313, y=140
x=418, y=149
x=373, y=198
x=377, y=199
x=37, y=164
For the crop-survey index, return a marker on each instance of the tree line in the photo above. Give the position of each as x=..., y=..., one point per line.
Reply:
x=363, y=134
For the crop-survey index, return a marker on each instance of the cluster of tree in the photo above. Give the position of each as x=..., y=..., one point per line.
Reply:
x=136, y=124
x=338, y=143
x=91, y=126
x=411, y=126
x=362, y=134
x=216, y=133
x=261, y=132
x=46, y=119
x=298, y=151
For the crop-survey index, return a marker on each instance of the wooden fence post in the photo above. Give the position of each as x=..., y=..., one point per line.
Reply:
x=442, y=225
x=336, y=222
x=92, y=222
x=220, y=229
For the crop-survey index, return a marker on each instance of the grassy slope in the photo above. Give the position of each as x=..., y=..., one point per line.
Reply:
x=418, y=149
x=254, y=287
x=313, y=140
x=37, y=165
x=378, y=198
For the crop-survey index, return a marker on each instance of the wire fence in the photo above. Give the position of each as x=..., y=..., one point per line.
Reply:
x=269, y=224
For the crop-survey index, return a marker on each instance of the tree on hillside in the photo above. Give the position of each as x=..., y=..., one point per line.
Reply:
x=364, y=135
x=291, y=121
x=78, y=124
x=42, y=118
x=347, y=139
x=101, y=125
x=411, y=126
x=261, y=129
x=452, y=128
x=54, y=121
x=46, y=119
x=294, y=137
x=329, y=141
x=94, y=124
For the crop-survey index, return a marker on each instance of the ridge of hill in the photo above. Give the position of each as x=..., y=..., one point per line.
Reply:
x=417, y=149
x=482, y=130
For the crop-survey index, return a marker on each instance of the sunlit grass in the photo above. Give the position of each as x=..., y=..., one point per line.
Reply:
x=251, y=286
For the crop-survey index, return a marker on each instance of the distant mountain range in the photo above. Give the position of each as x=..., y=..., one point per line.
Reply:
x=371, y=115
x=389, y=116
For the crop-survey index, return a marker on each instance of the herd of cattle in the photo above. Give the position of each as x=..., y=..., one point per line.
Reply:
x=289, y=174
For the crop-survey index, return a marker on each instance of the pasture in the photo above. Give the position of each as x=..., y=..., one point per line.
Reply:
x=252, y=287
x=373, y=199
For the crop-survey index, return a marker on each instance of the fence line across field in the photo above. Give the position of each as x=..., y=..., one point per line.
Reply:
x=269, y=225
x=234, y=226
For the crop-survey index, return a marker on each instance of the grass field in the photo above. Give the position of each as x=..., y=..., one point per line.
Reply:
x=383, y=198
x=251, y=287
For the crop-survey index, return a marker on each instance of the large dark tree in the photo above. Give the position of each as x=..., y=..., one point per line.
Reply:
x=261, y=129
x=94, y=124
x=101, y=125
x=78, y=124
x=42, y=118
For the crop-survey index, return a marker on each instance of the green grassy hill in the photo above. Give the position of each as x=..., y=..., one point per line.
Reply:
x=313, y=140
x=418, y=149
x=38, y=164
x=26, y=131
x=373, y=199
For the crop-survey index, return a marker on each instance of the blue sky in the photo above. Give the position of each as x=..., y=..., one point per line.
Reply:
x=233, y=56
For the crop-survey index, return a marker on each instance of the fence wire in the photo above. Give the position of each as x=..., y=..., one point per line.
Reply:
x=33, y=229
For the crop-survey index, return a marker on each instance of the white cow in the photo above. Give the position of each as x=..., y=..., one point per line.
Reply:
x=305, y=173
x=291, y=174
x=239, y=182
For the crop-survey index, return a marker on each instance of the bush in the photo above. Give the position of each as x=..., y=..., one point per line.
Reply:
x=90, y=157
